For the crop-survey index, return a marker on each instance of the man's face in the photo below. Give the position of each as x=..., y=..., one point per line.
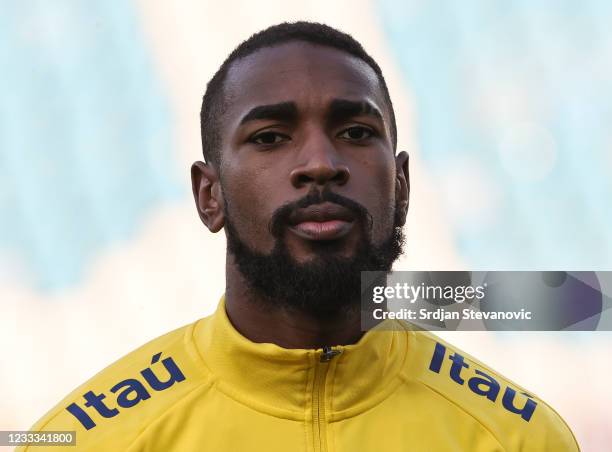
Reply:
x=308, y=176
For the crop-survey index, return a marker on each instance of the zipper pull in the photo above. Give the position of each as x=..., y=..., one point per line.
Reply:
x=329, y=353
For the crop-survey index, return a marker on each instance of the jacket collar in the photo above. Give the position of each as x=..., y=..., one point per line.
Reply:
x=281, y=381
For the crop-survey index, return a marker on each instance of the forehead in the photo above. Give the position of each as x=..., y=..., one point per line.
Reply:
x=310, y=75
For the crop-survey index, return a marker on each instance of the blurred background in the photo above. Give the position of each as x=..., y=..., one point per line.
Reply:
x=505, y=108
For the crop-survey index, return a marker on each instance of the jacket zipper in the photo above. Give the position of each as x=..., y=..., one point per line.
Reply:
x=318, y=398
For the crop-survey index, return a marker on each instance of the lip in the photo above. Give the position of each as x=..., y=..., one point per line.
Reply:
x=325, y=221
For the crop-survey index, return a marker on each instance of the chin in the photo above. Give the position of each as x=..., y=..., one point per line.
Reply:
x=323, y=250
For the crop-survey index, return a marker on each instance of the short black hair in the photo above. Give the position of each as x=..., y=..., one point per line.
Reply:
x=311, y=32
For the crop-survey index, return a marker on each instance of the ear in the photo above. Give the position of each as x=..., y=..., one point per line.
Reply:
x=208, y=196
x=402, y=186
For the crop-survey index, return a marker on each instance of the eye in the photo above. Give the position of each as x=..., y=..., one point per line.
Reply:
x=268, y=138
x=356, y=133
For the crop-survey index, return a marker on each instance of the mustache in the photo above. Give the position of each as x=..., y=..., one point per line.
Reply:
x=280, y=217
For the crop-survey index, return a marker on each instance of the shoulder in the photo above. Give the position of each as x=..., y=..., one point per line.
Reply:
x=517, y=418
x=110, y=410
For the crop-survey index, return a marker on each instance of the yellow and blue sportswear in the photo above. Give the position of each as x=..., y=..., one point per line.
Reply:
x=205, y=387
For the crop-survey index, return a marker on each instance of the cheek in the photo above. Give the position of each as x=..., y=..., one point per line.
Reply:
x=250, y=197
x=376, y=182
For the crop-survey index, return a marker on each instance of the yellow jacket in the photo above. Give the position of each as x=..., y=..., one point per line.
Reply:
x=204, y=387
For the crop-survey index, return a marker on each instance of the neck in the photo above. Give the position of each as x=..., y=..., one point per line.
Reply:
x=260, y=321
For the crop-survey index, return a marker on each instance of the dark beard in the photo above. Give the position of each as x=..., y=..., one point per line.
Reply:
x=327, y=286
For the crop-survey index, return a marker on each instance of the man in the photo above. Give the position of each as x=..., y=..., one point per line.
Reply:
x=299, y=138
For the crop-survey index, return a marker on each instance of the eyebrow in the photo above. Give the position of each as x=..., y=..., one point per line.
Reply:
x=284, y=111
x=339, y=110
x=342, y=109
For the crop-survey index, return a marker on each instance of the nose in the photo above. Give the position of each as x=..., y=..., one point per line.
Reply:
x=321, y=164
